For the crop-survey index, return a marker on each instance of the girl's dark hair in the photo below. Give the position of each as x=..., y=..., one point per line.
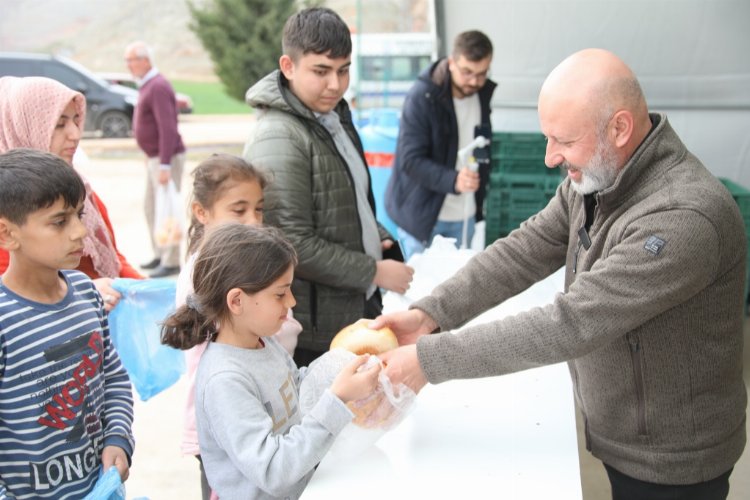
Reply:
x=209, y=183
x=233, y=256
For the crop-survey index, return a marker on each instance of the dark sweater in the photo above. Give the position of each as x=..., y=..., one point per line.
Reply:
x=155, y=120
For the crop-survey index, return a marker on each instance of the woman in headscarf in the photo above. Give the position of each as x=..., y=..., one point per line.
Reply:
x=41, y=113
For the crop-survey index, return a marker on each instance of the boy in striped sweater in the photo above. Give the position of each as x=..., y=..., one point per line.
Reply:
x=66, y=406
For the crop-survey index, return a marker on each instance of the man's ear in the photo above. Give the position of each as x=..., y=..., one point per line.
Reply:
x=234, y=301
x=8, y=240
x=451, y=63
x=622, y=123
x=287, y=66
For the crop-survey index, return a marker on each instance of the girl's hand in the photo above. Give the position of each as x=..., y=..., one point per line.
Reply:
x=350, y=384
x=110, y=295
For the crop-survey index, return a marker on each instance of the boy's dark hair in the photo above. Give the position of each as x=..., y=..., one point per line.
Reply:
x=31, y=180
x=473, y=45
x=209, y=183
x=318, y=30
x=250, y=258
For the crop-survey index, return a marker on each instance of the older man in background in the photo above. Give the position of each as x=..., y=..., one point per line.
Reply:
x=155, y=127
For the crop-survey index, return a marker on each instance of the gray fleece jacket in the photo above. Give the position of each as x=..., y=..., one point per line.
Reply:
x=650, y=322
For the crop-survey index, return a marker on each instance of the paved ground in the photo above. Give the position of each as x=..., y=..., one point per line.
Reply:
x=159, y=471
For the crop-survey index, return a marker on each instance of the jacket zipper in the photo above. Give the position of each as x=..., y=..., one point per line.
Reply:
x=577, y=387
x=575, y=259
x=636, y=355
x=313, y=309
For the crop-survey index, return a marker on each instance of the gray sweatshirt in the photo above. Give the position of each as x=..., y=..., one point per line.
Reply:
x=254, y=442
x=650, y=322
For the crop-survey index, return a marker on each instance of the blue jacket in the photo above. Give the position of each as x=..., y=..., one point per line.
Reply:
x=425, y=166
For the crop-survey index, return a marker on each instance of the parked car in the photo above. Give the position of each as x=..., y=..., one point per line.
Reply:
x=109, y=108
x=183, y=101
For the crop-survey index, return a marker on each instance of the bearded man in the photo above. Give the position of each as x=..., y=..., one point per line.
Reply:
x=650, y=322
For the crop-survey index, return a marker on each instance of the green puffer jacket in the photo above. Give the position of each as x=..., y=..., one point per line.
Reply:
x=311, y=197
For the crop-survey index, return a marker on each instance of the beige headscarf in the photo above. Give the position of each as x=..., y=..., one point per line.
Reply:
x=29, y=110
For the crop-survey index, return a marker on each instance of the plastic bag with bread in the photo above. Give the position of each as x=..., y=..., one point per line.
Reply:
x=374, y=415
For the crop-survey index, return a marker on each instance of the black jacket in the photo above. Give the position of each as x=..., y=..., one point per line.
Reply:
x=425, y=165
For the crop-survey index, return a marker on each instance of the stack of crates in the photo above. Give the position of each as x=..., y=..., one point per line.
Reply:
x=520, y=184
x=742, y=197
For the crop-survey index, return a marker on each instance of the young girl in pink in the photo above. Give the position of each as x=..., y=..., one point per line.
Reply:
x=225, y=189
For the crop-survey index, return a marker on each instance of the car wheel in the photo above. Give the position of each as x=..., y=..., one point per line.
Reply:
x=114, y=124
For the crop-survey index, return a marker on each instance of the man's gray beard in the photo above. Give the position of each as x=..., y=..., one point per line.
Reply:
x=599, y=173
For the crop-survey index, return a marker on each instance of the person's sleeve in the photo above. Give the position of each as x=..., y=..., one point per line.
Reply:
x=4, y=260
x=3, y=489
x=504, y=269
x=118, y=397
x=275, y=463
x=415, y=147
x=126, y=270
x=165, y=111
x=624, y=289
x=289, y=206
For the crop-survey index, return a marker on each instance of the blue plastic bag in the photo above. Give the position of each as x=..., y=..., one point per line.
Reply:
x=135, y=326
x=108, y=487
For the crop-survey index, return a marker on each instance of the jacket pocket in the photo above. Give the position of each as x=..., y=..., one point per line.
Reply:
x=636, y=356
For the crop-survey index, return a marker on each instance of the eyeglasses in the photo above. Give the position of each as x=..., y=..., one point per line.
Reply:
x=468, y=74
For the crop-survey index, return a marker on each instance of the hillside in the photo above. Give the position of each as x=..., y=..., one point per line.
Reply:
x=95, y=32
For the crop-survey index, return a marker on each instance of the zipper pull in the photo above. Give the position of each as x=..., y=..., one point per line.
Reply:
x=634, y=342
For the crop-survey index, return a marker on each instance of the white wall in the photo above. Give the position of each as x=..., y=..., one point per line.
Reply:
x=692, y=58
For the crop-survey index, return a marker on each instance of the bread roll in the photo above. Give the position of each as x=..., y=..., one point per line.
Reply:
x=372, y=412
x=359, y=339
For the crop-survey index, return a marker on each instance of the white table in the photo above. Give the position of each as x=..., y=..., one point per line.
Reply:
x=511, y=437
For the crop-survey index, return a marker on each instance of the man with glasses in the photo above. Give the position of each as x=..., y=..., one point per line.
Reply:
x=431, y=191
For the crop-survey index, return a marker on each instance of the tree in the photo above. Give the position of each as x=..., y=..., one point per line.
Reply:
x=243, y=38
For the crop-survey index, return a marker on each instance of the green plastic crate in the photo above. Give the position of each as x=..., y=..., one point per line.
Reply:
x=519, y=153
x=516, y=145
x=742, y=196
x=513, y=198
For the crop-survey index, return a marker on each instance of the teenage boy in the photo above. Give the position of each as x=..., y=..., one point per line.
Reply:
x=65, y=400
x=321, y=195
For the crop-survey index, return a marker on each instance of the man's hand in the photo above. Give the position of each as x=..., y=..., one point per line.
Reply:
x=467, y=181
x=386, y=244
x=402, y=367
x=164, y=176
x=114, y=455
x=407, y=325
x=393, y=275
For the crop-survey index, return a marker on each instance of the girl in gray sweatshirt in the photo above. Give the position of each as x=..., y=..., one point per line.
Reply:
x=255, y=443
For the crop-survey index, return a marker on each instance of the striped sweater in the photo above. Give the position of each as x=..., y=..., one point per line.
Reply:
x=64, y=394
